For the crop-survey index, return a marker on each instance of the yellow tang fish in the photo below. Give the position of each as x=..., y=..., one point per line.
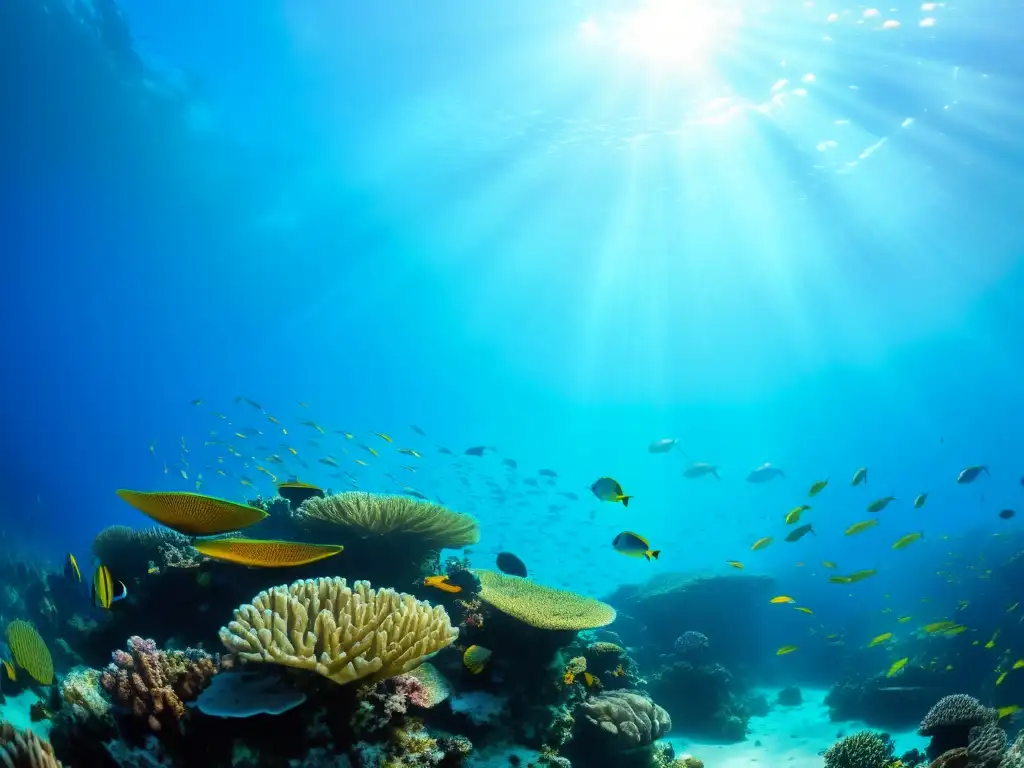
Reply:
x=9, y=669
x=880, y=639
x=906, y=541
x=785, y=649
x=735, y=564
x=782, y=599
x=817, y=488
x=863, y=525
x=1007, y=711
x=103, y=588
x=897, y=666
x=73, y=566
x=761, y=543
x=1018, y=664
x=793, y=515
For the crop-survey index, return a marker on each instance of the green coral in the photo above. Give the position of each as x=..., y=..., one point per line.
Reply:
x=865, y=749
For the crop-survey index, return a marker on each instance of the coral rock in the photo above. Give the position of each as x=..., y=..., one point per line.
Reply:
x=631, y=720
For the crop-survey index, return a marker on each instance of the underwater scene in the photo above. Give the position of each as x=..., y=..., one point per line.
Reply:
x=572, y=383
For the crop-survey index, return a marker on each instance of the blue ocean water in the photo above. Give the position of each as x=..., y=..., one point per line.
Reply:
x=775, y=232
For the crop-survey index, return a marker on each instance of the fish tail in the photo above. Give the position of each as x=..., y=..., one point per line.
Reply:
x=123, y=595
x=715, y=473
x=653, y=554
x=625, y=500
x=810, y=530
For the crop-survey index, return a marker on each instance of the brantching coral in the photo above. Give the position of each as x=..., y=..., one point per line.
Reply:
x=986, y=747
x=865, y=749
x=154, y=684
x=950, y=720
x=23, y=749
x=341, y=633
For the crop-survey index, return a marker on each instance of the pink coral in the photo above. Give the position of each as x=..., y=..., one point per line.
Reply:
x=154, y=684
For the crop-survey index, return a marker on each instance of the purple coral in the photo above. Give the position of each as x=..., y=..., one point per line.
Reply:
x=154, y=684
x=691, y=642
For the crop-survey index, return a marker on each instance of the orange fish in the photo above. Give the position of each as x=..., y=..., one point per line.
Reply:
x=441, y=582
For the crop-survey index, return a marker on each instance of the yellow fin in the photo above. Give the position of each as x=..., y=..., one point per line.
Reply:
x=265, y=553
x=193, y=514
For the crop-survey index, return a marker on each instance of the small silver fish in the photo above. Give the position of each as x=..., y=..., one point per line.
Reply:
x=970, y=474
x=765, y=473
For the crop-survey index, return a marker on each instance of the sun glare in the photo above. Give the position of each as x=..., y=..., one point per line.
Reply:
x=674, y=31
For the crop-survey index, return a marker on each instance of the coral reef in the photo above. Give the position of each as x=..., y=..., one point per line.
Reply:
x=617, y=725
x=950, y=720
x=702, y=700
x=341, y=633
x=865, y=749
x=987, y=745
x=129, y=552
x=23, y=749
x=154, y=684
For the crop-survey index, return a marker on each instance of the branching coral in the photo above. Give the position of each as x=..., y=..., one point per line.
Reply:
x=542, y=607
x=23, y=749
x=865, y=749
x=341, y=633
x=154, y=684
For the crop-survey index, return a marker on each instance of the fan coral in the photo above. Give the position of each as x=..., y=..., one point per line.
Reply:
x=542, y=607
x=23, y=749
x=628, y=720
x=343, y=634
x=154, y=684
x=30, y=651
x=379, y=514
x=690, y=642
x=865, y=749
x=950, y=720
x=987, y=744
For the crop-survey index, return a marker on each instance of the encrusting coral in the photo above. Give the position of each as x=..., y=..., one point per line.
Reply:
x=23, y=749
x=154, y=684
x=865, y=749
x=540, y=606
x=30, y=651
x=341, y=633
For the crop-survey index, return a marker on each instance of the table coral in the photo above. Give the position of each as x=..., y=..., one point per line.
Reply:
x=154, y=684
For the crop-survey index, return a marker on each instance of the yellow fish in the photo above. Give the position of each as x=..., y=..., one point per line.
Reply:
x=863, y=525
x=782, y=599
x=794, y=514
x=939, y=626
x=880, y=639
x=761, y=543
x=73, y=564
x=828, y=564
x=879, y=504
x=1007, y=711
x=1018, y=664
x=373, y=452
x=103, y=588
x=329, y=462
x=383, y=437
x=475, y=658
x=992, y=643
x=9, y=669
x=1002, y=676
x=860, y=476
x=861, y=575
x=903, y=619
x=411, y=452
x=785, y=649
x=817, y=488
x=897, y=666
x=735, y=564
x=808, y=611
x=906, y=541
x=839, y=580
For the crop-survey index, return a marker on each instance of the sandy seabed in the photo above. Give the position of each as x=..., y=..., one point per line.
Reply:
x=788, y=737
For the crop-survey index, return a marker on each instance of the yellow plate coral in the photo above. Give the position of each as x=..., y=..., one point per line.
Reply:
x=193, y=513
x=540, y=606
x=265, y=553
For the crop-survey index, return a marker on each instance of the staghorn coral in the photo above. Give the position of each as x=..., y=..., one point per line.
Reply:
x=950, y=720
x=154, y=684
x=341, y=633
x=865, y=749
x=30, y=651
x=23, y=749
x=432, y=525
x=626, y=720
x=987, y=745
x=542, y=607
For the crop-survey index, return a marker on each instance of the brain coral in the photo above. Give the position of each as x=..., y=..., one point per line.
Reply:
x=540, y=606
x=865, y=749
x=30, y=651
x=341, y=633
x=382, y=515
x=631, y=720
